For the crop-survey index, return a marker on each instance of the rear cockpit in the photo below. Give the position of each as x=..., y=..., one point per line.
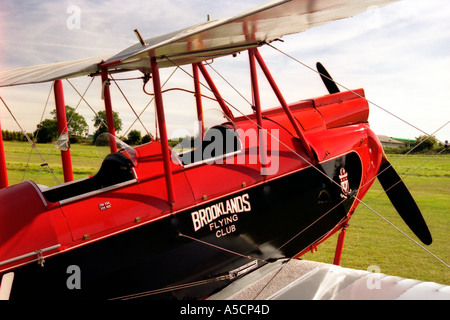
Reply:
x=116, y=169
x=217, y=142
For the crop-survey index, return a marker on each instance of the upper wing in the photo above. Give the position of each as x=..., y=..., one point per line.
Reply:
x=204, y=41
x=264, y=23
x=49, y=72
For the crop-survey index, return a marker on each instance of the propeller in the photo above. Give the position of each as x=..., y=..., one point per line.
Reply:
x=402, y=201
x=391, y=182
x=327, y=79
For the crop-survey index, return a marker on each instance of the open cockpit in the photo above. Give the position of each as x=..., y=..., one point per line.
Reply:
x=116, y=169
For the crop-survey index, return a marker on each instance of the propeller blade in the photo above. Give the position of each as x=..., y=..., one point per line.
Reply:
x=327, y=79
x=403, y=201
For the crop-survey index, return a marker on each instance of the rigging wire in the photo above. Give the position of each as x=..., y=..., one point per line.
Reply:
x=386, y=220
x=407, y=153
x=249, y=257
x=220, y=248
x=132, y=109
x=397, y=117
x=232, y=87
x=66, y=126
x=308, y=162
x=33, y=145
x=151, y=100
x=221, y=278
x=174, y=288
x=37, y=133
x=215, y=279
x=85, y=101
x=346, y=88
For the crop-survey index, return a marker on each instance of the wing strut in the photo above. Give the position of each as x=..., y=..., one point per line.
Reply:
x=108, y=109
x=284, y=104
x=3, y=172
x=62, y=130
x=162, y=131
x=340, y=245
x=198, y=100
x=213, y=88
x=257, y=106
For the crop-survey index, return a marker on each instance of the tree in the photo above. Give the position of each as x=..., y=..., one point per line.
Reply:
x=424, y=143
x=46, y=131
x=146, y=138
x=14, y=135
x=101, y=124
x=134, y=137
x=76, y=123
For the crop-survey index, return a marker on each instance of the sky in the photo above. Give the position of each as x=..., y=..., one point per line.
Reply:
x=399, y=54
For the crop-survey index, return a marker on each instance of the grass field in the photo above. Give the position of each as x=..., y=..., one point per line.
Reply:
x=24, y=163
x=370, y=241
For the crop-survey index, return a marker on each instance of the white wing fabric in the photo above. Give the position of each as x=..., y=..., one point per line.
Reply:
x=204, y=41
x=264, y=23
x=49, y=72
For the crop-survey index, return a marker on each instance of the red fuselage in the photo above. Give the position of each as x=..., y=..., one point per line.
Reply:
x=44, y=224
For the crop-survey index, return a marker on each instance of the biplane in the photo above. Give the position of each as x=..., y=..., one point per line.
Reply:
x=157, y=223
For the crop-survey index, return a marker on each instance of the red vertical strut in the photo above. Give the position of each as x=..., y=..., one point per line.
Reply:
x=198, y=100
x=285, y=106
x=3, y=172
x=62, y=129
x=162, y=131
x=213, y=88
x=340, y=246
x=108, y=110
x=257, y=102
